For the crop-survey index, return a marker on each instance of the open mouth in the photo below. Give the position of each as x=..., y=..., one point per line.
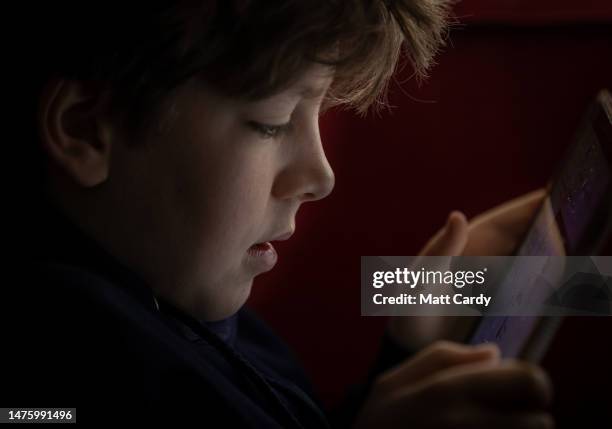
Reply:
x=262, y=256
x=258, y=249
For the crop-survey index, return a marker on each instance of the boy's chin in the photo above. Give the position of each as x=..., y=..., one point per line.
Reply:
x=229, y=305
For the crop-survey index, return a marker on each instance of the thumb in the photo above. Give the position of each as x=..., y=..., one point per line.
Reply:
x=450, y=240
x=439, y=356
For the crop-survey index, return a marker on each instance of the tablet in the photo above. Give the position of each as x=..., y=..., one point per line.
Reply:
x=575, y=219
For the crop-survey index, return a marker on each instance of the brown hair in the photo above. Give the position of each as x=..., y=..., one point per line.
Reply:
x=248, y=48
x=361, y=39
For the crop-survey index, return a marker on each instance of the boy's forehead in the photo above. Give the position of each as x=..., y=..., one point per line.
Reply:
x=311, y=84
x=310, y=91
x=314, y=82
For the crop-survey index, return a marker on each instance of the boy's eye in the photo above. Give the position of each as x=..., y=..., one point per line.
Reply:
x=269, y=131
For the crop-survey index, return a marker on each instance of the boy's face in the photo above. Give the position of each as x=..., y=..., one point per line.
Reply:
x=187, y=205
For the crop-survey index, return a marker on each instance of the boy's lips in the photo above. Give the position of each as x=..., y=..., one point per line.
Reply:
x=263, y=256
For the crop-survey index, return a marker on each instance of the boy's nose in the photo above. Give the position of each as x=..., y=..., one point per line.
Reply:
x=320, y=182
x=309, y=177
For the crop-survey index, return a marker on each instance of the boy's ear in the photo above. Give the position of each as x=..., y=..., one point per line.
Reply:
x=75, y=130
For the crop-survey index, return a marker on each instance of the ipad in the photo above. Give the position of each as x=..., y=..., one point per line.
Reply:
x=575, y=219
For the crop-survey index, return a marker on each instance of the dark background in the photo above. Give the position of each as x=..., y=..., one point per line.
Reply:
x=490, y=124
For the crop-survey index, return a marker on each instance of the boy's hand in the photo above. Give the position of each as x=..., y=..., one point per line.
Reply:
x=499, y=231
x=496, y=232
x=449, y=385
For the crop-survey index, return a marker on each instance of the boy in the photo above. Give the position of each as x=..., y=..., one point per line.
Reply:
x=176, y=142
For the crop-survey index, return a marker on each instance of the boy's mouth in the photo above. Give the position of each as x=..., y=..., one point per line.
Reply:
x=260, y=247
x=263, y=255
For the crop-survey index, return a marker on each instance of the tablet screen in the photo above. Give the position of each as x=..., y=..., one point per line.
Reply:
x=572, y=221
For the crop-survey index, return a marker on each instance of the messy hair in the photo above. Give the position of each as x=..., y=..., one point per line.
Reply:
x=247, y=48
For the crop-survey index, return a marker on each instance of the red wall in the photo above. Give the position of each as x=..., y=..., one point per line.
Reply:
x=490, y=123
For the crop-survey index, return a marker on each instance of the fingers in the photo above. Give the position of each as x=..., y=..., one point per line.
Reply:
x=499, y=231
x=510, y=385
x=450, y=385
x=496, y=231
x=476, y=418
x=450, y=240
x=517, y=212
x=439, y=356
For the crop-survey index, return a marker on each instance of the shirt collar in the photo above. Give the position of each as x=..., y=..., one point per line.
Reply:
x=60, y=240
